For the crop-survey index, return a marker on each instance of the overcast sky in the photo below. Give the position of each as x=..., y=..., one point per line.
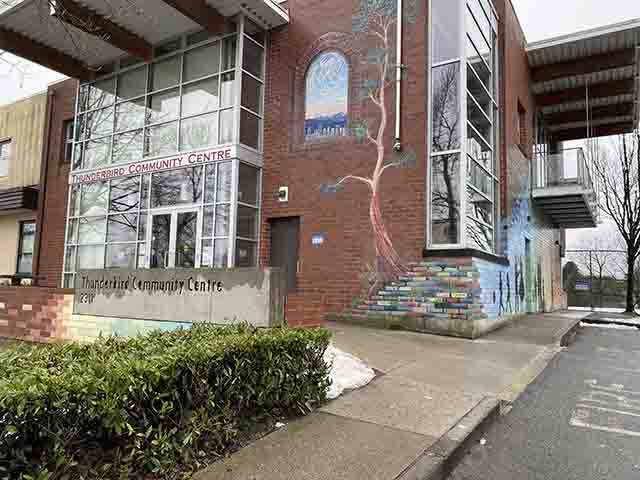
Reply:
x=542, y=19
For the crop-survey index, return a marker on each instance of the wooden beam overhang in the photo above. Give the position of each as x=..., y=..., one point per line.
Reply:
x=18, y=198
x=584, y=66
x=92, y=23
x=615, y=110
x=51, y=58
x=201, y=13
x=597, y=90
x=597, y=131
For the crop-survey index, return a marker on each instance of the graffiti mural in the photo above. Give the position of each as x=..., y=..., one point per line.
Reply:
x=326, y=96
x=524, y=286
x=373, y=32
x=447, y=290
x=443, y=289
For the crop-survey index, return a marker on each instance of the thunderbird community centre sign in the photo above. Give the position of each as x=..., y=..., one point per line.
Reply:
x=221, y=296
x=157, y=165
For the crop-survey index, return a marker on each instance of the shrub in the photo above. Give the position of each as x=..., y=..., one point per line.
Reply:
x=121, y=408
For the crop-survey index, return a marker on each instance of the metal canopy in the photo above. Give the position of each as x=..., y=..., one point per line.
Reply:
x=601, y=63
x=29, y=30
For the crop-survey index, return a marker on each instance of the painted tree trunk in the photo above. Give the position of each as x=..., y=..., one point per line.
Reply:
x=389, y=265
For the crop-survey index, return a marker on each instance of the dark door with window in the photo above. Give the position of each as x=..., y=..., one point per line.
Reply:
x=285, y=236
x=529, y=283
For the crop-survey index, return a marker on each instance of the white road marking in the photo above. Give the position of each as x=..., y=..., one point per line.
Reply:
x=615, y=389
x=604, y=402
x=578, y=423
x=611, y=410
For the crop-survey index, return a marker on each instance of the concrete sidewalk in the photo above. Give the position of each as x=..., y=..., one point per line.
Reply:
x=431, y=395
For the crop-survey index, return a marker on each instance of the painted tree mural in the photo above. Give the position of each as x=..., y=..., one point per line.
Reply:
x=374, y=28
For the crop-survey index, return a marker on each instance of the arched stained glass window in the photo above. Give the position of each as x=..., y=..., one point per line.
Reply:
x=326, y=96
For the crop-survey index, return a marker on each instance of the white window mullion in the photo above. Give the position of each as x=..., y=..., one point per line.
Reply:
x=238, y=81
x=462, y=191
x=233, y=213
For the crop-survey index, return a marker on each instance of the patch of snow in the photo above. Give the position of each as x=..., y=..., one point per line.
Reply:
x=609, y=325
x=347, y=372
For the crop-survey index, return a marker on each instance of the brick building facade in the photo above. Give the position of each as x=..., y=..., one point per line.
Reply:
x=410, y=192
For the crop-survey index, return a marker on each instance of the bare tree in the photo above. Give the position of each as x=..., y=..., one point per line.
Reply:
x=618, y=178
x=597, y=258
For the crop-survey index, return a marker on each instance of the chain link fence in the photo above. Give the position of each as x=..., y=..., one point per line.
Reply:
x=595, y=278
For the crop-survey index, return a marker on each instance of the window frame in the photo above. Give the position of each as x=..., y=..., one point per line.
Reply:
x=234, y=108
x=84, y=110
x=20, y=252
x=478, y=124
x=521, y=127
x=310, y=140
x=5, y=142
x=68, y=132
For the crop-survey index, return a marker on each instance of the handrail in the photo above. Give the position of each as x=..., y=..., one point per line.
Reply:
x=566, y=167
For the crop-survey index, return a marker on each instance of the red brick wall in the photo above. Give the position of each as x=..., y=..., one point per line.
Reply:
x=33, y=313
x=515, y=87
x=330, y=275
x=52, y=227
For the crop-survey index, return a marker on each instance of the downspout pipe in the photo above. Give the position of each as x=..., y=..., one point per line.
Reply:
x=44, y=168
x=397, y=146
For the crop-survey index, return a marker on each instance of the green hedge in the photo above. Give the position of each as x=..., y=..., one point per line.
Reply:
x=121, y=408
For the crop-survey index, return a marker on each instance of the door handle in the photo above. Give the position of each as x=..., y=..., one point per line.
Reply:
x=166, y=259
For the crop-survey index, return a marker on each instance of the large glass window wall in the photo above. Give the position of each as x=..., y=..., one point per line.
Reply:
x=464, y=125
x=200, y=92
x=172, y=219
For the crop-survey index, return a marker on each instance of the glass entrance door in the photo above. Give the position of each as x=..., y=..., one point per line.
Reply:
x=160, y=241
x=173, y=239
x=186, y=239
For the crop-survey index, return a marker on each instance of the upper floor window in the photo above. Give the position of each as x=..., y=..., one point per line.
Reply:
x=5, y=152
x=326, y=96
x=464, y=177
x=68, y=141
x=522, y=127
x=181, y=102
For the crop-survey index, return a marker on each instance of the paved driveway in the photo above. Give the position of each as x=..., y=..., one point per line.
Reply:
x=579, y=420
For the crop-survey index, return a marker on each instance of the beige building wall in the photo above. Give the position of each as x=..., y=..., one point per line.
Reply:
x=22, y=122
x=9, y=238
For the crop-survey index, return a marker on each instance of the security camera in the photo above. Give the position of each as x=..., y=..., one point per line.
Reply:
x=397, y=146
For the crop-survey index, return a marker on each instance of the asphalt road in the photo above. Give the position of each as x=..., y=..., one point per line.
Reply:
x=579, y=420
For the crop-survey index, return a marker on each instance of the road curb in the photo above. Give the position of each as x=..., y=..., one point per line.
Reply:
x=568, y=336
x=439, y=460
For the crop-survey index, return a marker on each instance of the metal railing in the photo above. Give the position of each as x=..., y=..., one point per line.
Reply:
x=567, y=167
